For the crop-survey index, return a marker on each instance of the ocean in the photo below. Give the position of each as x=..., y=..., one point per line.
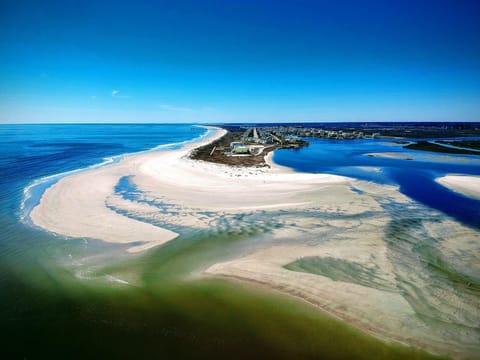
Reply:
x=59, y=299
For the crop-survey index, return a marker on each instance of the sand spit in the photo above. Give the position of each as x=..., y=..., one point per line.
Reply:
x=463, y=184
x=391, y=155
x=76, y=206
x=86, y=205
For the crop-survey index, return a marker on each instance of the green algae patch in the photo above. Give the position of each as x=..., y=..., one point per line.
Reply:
x=340, y=270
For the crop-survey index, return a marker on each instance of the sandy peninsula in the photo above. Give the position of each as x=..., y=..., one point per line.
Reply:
x=463, y=184
x=86, y=205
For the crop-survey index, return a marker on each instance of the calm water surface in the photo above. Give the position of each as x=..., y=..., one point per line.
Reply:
x=414, y=177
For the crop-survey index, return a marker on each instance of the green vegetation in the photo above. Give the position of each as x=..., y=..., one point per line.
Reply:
x=428, y=146
x=471, y=144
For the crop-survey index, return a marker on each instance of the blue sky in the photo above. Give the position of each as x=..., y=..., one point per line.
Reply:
x=239, y=61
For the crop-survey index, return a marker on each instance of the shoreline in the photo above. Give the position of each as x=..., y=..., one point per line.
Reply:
x=89, y=218
x=110, y=160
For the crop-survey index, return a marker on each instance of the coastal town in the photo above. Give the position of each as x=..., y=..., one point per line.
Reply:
x=286, y=133
x=247, y=146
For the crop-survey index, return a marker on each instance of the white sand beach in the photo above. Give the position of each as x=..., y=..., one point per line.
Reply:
x=464, y=184
x=76, y=206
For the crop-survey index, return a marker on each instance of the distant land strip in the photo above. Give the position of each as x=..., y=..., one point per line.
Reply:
x=434, y=147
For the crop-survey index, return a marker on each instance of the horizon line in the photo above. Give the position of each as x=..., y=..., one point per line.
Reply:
x=246, y=122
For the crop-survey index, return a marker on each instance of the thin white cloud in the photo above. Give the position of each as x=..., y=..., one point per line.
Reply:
x=168, y=107
x=116, y=94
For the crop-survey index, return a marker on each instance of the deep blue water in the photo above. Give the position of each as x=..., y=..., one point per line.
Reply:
x=31, y=153
x=415, y=177
x=28, y=152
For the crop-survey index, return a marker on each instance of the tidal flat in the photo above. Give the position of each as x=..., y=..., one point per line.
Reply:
x=50, y=313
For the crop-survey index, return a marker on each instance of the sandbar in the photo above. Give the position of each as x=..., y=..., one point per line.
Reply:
x=463, y=184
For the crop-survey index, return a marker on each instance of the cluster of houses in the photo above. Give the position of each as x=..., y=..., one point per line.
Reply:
x=321, y=133
x=255, y=139
x=283, y=133
x=239, y=148
x=258, y=136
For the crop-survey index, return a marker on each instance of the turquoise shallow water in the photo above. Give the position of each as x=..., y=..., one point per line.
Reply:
x=58, y=297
